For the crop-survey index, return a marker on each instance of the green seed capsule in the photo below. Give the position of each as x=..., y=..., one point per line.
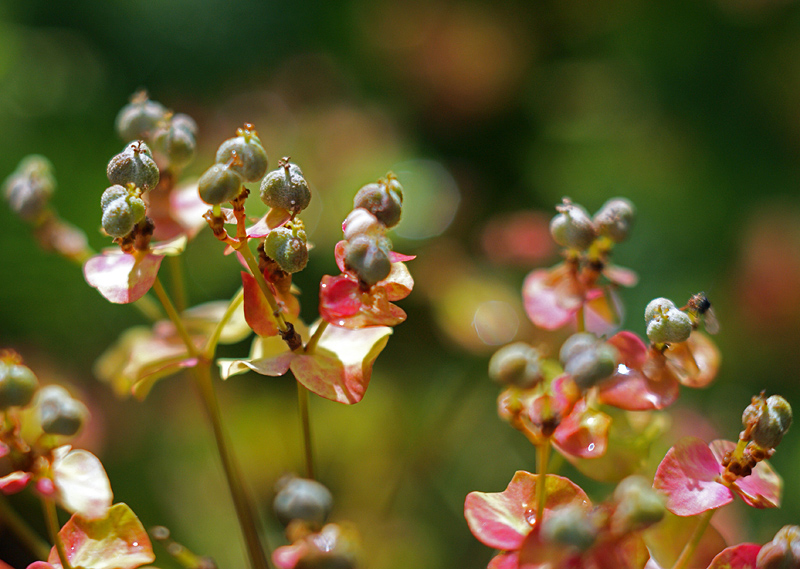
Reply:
x=252, y=159
x=570, y=525
x=773, y=422
x=516, y=364
x=184, y=122
x=575, y=344
x=572, y=227
x=362, y=222
x=140, y=118
x=657, y=307
x=59, y=413
x=615, y=219
x=286, y=188
x=638, y=505
x=783, y=552
x=368, y=258
x=302, y=499
x=288, y=246
x=589, y=367
x=29, y=188
x=17, y=385
x=383, y=199
x=177, y=143
x=672, y=326
x=134, y=165
x=118, y=218
x=219, y=184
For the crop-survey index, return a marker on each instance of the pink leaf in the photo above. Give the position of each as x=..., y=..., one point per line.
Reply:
x=620, y=275
x=508, y=560
x=548, y=306
x=187, y=209
x=341, y=366
x=15, y=482
x=398, y=284
x=602, y=311
x=395, y=257
x=583, y=433
x=742, y=556
x=119, y=277
x=117, y=541
x=502, y=520
x=688, y=477
x=82, y=482
x=762, y=488
x=344, y=304
x=288, y=556
x=695, y=362
x=259, y=228
x=257, y=311
x=276, y=217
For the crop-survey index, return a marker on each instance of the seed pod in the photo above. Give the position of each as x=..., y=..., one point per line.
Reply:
x=59, y=413
x=774, y=419
x=615, y=219
x=575, y=344
x=219, y=184
x=516, y=364
x=17, y=385
x=657, y=308
x=175, y=142
x=672, y=326
x=783, y=552
x=252, y=159
x=361, y=222
x=638, y=505
x=383, y=199
x=139, y=119
x=286, y=188
x=184, y=122
x=288, y=246
x=29, y=188
x=368, y=258
x=590, y=366
x=302, y=499
x=570, y=525
x=134, y=165
x=121, y=214
x=572, y=227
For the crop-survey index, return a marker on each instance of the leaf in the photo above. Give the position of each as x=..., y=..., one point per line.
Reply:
x=15, y=482
x=688, y=477
x=120, y=277
x=695, y=362
x=341, y=366
x=257, y=311
x=583, y=433
x=666, y=540
x=550, y=300
x=741, y=556
x=762, y=488
x=276, y=217
x=117, y=541
x=502, y=520
x=82, y=483
x=170, y=248
x=268, y=356
x=203, y=319
x=343, y=304
x=150, y=375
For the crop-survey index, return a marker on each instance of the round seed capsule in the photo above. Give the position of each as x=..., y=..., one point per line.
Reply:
x=59, y=413
x=516, y=364
x=671, y=327
x=252, y=158
x=219, y=184
x=134, y=165
x=572, y=227
x=368, y=259
x=176, y=143
x=139, y=118
x=302, y=499
x=17, y=385
x=286, y=188
x=383, y=199
x=615, y=219
x=288, y=246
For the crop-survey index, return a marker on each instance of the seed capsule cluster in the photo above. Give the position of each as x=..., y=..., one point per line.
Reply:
x=573, y=227
x=29, y=187
x=240, y=159
x=286, y=188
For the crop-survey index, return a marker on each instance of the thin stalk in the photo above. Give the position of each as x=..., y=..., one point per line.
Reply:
x=148, y=308
x=51, y=518
x=213, y=339
x=252, y=264
x=311, y=345
x=581, y=315
x=305, y=422
x=542, y=459
x=242, y=501
x=178, y=286
x=19, y=527
x=694, y=541
x=174, y=317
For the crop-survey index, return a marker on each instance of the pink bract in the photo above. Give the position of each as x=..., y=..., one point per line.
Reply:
x=257, y=311
x=742, y=556
x=689, y=477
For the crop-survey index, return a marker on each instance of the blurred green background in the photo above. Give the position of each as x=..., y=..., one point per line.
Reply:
x=689, y=108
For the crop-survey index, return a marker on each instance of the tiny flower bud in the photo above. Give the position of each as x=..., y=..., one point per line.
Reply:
x=572, y=227
x=302, y=499
x=29, y=188
x=772, y=419
x=175, y=142
x=516, y=364
x=383, y=199
x=361, y=222
x=672, y=326
x=638, y=505
x=368, y=258
x=288, y=246
x=614, y=219
x=134, y=165
x=219, y=184
x=570, y=525
x=252, y=159
x=59, y=413
x=286, y=188
x=140, y=118
x=783, y=552
x=17, y=385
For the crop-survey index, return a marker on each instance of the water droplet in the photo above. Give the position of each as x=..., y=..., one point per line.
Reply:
x=135, y=544
x=590, y=447
x=530, y=516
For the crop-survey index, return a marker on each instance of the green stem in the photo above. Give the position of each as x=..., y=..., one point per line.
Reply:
x=302, y=403
x=694, y=541
x=174, y=317
x=542, y=459
x=178, y=287
x=148, y=308
x=242, y=501
x=581, y=319
x=213, y=339
x=51, y=518
x=19, y=527
x=311, y=345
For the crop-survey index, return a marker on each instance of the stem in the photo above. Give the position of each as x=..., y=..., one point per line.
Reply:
x=174, y=317
x=581, y=319
x=178, y=288
x=302, y=403
x=242, y=501
x=51, y=517
x=252, y=264
x=148, y=308
x=542, y=458
x=213, y=339
x=19, y=527
x=694, y=541
x=314, y=340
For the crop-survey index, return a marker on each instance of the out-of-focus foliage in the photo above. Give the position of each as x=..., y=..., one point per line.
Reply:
x=482, y=109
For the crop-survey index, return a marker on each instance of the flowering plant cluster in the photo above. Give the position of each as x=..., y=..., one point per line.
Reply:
x=573, y=401
x=150, y=213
